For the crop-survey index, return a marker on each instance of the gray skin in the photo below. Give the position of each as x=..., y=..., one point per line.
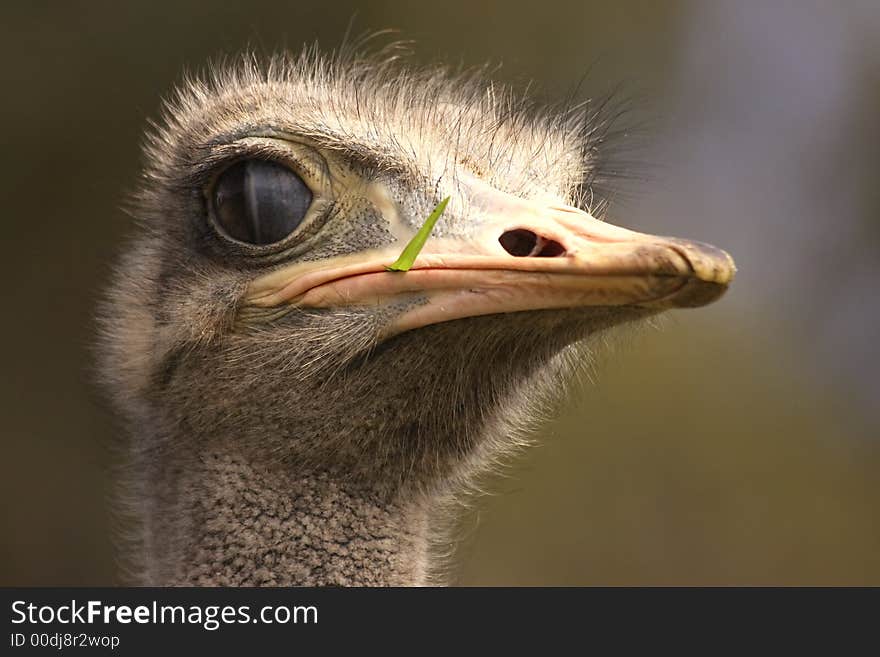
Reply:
x=297, y=447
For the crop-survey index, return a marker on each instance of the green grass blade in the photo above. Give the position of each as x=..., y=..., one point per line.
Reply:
x=411, y=250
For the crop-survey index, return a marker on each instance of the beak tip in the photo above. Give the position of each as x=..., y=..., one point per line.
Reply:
x=713, y=272
x=709, y=263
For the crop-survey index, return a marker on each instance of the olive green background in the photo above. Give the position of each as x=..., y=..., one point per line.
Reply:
x=738, y=444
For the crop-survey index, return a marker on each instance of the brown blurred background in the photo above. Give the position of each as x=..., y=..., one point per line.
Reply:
x=738, y=445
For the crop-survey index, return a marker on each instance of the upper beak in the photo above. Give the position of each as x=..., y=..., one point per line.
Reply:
x=522, y=256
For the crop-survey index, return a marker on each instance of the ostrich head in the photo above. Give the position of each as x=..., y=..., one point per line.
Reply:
x=297, y=412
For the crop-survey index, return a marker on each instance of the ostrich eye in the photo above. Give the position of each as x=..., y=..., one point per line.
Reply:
x=260, y=202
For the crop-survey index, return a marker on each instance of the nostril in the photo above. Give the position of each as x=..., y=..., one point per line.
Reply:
x=518, y=242
x=550, y=249
x=521, y=243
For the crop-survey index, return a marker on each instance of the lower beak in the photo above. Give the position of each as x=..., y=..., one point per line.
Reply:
x=524, y=257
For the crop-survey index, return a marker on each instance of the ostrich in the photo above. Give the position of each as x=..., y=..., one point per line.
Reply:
x=299, y=415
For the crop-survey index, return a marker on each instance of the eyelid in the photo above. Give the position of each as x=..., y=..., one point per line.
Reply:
x=304, y=160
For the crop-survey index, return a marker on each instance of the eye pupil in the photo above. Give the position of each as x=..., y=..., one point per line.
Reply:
x=260, y=202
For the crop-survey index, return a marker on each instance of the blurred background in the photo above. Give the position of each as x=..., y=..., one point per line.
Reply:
x=740, y=444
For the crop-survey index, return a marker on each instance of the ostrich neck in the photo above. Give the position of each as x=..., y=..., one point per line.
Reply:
x=226, y=520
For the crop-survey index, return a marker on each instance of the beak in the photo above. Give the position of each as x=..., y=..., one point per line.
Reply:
x=521, y=255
